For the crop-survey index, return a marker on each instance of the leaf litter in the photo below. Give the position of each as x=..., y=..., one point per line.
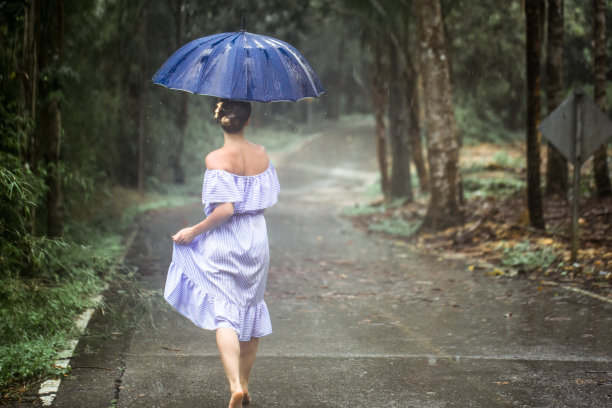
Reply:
x=497, y=240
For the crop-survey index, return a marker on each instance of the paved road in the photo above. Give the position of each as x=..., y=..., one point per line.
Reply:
x=358, y=321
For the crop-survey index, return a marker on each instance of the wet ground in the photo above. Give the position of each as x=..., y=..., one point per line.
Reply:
x=359, y=321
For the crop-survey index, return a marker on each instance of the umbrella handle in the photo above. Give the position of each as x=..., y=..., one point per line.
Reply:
x=243, y=25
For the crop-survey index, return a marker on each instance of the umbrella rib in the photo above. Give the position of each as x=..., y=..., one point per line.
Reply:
x=298, y=57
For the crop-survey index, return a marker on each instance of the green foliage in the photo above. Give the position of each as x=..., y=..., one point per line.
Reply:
x=36, y=313
x=477, y=124
x=396, y=226
x=486, y=44
x=358, y=210
x=526, y=256
x=30, y=359
x=476, y=185
x=503, y=159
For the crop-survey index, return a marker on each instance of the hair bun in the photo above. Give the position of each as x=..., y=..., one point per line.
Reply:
x=225, y=120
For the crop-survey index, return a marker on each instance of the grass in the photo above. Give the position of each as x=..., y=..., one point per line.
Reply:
x=396, y=227
x=523, y=255
x=37, y=312
x=479, y=186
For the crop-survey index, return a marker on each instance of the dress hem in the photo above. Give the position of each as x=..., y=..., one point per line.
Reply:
x=210, y=313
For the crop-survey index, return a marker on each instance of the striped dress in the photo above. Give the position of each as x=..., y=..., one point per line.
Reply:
x=219, y=279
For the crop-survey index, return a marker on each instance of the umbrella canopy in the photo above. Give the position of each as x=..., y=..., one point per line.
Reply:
x=240, y=66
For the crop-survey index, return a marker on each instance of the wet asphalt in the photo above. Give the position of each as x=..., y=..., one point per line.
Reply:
x=359, y=320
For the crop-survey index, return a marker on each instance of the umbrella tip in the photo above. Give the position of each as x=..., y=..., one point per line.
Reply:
x=243, y=24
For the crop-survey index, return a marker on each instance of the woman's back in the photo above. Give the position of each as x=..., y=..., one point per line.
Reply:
x=240, y=157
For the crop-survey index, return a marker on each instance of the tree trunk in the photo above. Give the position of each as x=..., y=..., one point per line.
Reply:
x=411, y=90
x=445, y=205
x=379, y=102
x=51, y=128
x=401, y=184
x=142, y=99
x=556, y=164
x=49, y=124
x=600, y=165
x=533, y=53
x=29, y=83
x=182, y=115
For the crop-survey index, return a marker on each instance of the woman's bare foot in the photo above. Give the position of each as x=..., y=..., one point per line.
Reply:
x=237, y=399
x=246, y=400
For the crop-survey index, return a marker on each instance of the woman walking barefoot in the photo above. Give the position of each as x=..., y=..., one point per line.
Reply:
x=219, y=267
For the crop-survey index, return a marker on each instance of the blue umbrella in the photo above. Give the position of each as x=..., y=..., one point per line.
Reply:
x=240, y=66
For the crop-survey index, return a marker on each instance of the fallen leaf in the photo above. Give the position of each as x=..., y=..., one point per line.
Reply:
x=545, y=241
x=496, y=272
x=169, y=348
x=557, y=319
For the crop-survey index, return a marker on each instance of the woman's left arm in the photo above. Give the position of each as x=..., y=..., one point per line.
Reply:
x=219, y=215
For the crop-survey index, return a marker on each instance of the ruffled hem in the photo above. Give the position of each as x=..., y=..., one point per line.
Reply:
x=209, y=313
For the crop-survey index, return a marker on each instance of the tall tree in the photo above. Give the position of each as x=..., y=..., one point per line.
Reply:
x=29, y=82
x=49, y=123
x=142, y=94
x=446, y=202
x=410, y=80
x=386, y=26
x=600, y=165
x=401, y=183
x=379, y=83
x=556, y=164
x=533, y=9
x=180, y=14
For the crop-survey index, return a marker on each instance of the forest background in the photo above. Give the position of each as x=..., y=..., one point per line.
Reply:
x=87, y=142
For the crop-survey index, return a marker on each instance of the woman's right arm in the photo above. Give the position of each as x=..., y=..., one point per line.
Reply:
x=218, y=216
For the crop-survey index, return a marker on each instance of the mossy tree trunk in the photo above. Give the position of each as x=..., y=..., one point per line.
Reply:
x=411, y=90
x=556, y=164
x=378, y=95
x=50, y=30
x=533, y=9
x=401, y=183
x=600, y=165
x=446, y=201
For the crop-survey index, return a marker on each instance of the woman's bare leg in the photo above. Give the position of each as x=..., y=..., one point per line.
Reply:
x=229, y=348
x=248, y=351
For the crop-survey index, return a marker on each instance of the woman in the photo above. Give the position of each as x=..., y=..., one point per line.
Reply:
x=219, y=267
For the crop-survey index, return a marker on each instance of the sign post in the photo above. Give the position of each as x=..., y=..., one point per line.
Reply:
x=577, y=128
x=579, y=95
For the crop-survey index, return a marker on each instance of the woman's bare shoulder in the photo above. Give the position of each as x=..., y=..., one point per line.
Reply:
x=220, y=159
x=258, y=151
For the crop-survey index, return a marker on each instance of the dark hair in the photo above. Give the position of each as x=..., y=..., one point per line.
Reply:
x=232, y=115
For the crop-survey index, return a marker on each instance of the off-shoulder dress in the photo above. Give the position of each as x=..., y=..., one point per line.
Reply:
x=219, y=279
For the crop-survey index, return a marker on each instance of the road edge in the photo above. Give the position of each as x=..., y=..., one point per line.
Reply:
x=48, y=389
